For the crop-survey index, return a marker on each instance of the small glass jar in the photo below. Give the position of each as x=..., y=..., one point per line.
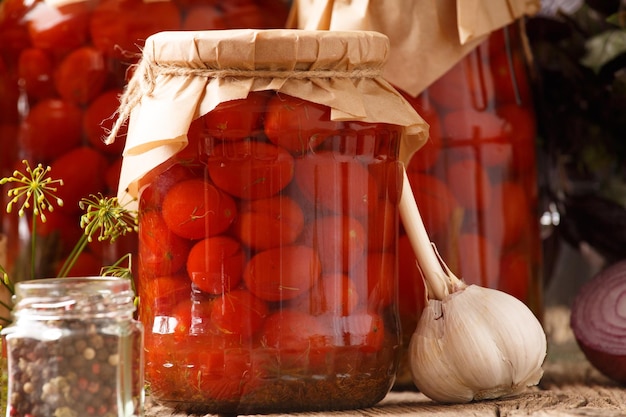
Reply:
x=74, y=349
x=475, y=180
x=267, y=244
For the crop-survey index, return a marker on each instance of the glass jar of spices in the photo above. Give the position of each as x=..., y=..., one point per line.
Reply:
x=74, y=349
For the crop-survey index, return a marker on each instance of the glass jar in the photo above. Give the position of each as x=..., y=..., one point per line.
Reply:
x=475, y=180
x=63, y=65
x=74, y=349
x=268, y=243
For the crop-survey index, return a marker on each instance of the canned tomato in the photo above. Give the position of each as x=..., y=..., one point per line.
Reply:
x=267, y=170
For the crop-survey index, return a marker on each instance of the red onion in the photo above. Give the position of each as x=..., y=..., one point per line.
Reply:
x=598, y=321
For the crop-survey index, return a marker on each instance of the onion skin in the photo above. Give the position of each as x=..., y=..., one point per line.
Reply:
x=598, y=321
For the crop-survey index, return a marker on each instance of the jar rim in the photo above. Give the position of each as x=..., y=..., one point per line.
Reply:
x=73, y=296
x=115, y=284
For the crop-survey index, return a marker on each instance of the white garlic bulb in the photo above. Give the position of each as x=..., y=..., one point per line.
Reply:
x=471, y=343
x=476, y=343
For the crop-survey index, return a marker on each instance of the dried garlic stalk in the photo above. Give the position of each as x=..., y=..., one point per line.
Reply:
x=471, y=343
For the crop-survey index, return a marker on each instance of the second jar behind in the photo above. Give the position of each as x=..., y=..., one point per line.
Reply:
x=475, y=180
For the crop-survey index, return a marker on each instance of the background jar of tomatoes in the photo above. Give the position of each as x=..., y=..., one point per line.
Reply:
x=267, y=218
x=475, y=180
x=63, y=65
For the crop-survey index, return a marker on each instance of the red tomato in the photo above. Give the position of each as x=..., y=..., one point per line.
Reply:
x=204, y=17
x=34, y=70
x=363, y=330
x=336, y=182
x=269, y=222
x=215, y=264
x=282, y=273
x=8, y=135
x=82, y=172
x=189, y=4
x=192, y=319
x=52, y=128
x=521, y=133
x=472, y=125
x=219, y=374
x=85, y=265
x=294, y=342
x=13, y=33
x=382, y=226
x=161, y=252
x=509, y=215
x=510, y=77
x=250, y=169
x=195, y=209
x=379, y=270
x=515, y=275
x=470, y=184
x=151, y=197
x=340, y=241
x=112, y=176
x=9, y=94
x=275, y=13
x=162, y=294
x=81, y=75
x=237, y=119
x=479, y=260
x=59, y=28
x=467, y=85
x=298, y=125
x=243, y=15
x=334, y=294
x=239, y=312
x=98, y=121
x=197, y=140
x=435, y=201
x=372, y=144
x=119, y=27
x=295, y=331
x=61, y=227
x=388, y=176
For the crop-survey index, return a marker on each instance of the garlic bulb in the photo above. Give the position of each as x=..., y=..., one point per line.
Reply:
x=476, y=343
x=471, y=343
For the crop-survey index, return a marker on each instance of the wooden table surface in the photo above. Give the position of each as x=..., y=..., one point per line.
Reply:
x=570, y=387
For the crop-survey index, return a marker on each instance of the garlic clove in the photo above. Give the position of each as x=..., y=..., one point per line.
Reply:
x=477, y=343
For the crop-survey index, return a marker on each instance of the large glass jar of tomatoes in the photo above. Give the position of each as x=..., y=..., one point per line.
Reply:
x=267, y=169
x=475, y=180
x=63, y=64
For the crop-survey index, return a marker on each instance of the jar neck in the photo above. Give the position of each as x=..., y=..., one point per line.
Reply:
x=67, y=298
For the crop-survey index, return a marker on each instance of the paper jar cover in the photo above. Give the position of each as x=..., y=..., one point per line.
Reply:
x=184, y=75
x=427, y=36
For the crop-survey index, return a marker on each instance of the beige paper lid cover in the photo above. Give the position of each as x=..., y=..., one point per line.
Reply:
x=427, y=36
x=184, y=75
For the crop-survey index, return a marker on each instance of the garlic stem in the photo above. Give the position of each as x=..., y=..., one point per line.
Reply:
x=440, y=282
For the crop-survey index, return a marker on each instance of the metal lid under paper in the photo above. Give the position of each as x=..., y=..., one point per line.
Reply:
x=184, y=75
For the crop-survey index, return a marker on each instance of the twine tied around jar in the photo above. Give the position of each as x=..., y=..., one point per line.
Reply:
x=147, y=71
